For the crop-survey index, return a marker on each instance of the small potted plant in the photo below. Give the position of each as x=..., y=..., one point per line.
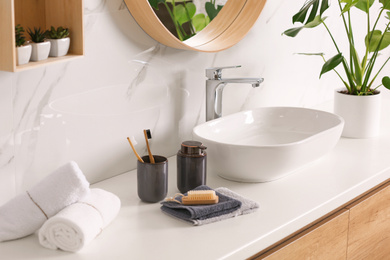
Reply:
x=358, y=102
x=40, y=47
x=23, y=52
x=60, y=41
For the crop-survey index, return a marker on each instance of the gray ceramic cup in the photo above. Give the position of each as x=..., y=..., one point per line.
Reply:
x=152, y=179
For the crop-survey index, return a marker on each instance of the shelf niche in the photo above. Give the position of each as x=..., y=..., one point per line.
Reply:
x=39, y=13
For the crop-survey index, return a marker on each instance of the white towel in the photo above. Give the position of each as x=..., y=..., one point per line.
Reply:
x=26, y=213
x=78, y=224
x=247, y=206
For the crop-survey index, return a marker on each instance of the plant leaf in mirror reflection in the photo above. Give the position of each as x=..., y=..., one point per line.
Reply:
x=184, y=21
x=211, y=10
x=200, y=21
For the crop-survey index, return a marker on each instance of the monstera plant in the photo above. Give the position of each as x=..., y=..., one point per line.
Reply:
x=361, y=70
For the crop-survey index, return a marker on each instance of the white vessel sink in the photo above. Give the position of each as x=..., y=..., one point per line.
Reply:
x=266, y=144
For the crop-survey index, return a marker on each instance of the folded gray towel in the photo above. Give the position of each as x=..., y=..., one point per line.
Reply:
x=200, y=212
x=248, y=206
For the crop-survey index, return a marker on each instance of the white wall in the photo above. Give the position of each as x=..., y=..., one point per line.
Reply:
x=83, y=110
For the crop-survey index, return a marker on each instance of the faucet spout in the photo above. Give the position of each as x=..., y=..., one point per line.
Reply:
x=257, y=84
x=214, y=89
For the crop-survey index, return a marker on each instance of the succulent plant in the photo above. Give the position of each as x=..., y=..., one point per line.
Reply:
x=37, y=35
x=19, y=37
x=57, y=34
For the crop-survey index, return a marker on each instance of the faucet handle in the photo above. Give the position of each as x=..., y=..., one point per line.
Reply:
x=216, y=72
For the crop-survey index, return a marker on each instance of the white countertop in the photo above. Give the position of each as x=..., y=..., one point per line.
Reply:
x=142, y=231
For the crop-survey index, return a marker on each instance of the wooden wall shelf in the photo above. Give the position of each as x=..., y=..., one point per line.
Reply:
x=39, y=13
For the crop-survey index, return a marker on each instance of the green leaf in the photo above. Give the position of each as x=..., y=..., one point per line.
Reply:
x=191, y=9
x=331, y=63
x=349, y=5
x=358, y=75
x=324, y=6
x=154, y=3
x=211, y=10
x=315, y=22
x=362, y=5
x=313, y=12
x=294, y=31
x=386, y=82
x=180, y=14
x=19, y=38
x=301, y=15
x=386, y=4
x=199, y=22
x=375, y=39
x=37, y=35
x=312, y=5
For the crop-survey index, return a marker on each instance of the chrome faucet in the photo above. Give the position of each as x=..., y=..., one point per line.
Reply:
x=214, y=88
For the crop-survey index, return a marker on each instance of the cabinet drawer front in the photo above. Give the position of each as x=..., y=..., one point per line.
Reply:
x=369, y=228
x=325, y=240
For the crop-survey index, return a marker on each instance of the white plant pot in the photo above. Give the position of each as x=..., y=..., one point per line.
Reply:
x=59, y=47
x=361, y=114
x=40, y=51
x=23, y=54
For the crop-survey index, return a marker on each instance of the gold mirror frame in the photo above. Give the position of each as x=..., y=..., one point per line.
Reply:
x=230, y=26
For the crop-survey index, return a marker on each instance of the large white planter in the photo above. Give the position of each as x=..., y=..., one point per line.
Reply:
x=23, y=54
x=361, y=114
x=59, y=47
x=40, y=51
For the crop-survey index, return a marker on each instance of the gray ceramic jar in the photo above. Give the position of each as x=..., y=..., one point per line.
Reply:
x=152, y=179
x=191, y=166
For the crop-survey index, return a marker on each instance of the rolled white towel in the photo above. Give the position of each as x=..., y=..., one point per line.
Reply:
x=26, y=213
x=78, y=224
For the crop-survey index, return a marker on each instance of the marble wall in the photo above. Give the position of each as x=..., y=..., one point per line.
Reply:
x=83, y=110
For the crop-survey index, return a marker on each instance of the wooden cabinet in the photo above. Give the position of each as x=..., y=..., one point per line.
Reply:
x=369, y=226
x=325, y=240
x=358, y=230
x=39, y=13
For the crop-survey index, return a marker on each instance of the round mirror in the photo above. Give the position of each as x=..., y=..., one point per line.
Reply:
x=232, y=23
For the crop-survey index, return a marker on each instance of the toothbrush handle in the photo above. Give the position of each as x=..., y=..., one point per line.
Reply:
x=135, y=152
x=151, y=158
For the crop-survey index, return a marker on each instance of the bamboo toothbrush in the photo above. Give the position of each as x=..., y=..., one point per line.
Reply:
x=135, y=152
x=148, y=135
